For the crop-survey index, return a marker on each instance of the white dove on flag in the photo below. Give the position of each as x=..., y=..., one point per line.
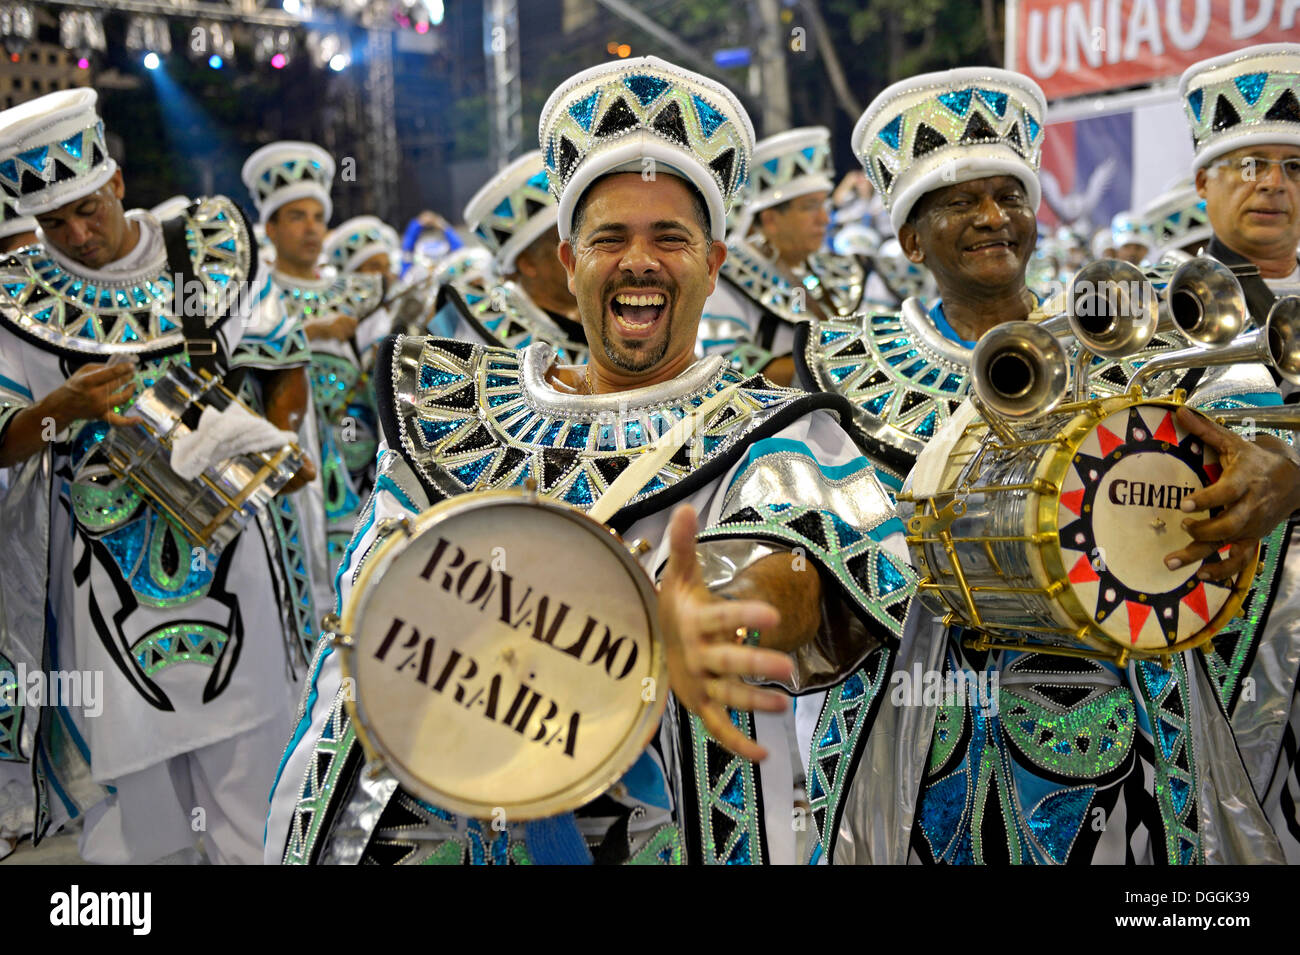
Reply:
x=1077, y=208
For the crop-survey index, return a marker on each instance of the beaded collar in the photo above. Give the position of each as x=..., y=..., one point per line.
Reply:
x=905, y=378
x=59, y=308
x=469, y=417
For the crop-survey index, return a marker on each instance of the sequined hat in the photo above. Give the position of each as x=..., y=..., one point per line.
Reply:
x=1247, y=98
x=642, y=115
x=1177, y=218
x=283, y=172
x=1128, y=227
x=359, y=238
x=938, y=129
x=513, y=209
x=52, y=151
x=789, y=165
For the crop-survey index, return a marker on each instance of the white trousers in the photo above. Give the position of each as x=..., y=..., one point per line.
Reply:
x=218, y=793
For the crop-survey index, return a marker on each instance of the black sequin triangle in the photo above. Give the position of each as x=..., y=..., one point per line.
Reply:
x=568, y=157
x=1225, y=116
x=1286, y=108
x=927, y=140
x=978, y=130
x=1013, y=137
x=886, y=176
x=669, y=123
x=610, y=468
x=617, y=118
x=722, y=164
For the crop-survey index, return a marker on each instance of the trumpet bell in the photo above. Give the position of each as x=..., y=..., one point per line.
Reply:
x=1019, y=371
x=1282, y=332
x=1113, y=310
x=1206, y=302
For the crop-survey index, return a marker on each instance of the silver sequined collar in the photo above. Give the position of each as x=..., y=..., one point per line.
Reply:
x=539, y=357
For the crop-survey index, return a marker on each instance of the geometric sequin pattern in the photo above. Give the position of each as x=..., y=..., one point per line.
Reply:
x=327, y=759
x=471, y=419
x=760, y=281
x=95, y=317
x=902, y=393
x=11, y=715
x=731, y=827
x=842, y=720
x=873, y=579
x=1176, y=787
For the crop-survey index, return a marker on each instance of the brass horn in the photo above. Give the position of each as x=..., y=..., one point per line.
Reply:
x=1113, y=310
x=1277, y=345
x=1206, y=302
x=1019, y=371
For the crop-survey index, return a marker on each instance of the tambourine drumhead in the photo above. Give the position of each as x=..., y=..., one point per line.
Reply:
x=1118, y=515
x=505, y=657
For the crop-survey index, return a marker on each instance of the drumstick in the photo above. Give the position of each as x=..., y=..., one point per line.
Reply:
x=645, y=467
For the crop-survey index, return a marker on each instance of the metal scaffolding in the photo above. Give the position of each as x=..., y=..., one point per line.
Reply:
x=505, y=93
x=381, y=113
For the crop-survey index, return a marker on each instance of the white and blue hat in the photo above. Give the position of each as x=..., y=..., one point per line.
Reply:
x=630, y=115
x=513, y=210
x=357, y=239
x=1247, y=98
x=939, y=129
x=284, y=172
x=52, y=151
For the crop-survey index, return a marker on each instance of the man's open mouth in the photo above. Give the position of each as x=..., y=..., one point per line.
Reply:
x=991, y=244
x=637, y=313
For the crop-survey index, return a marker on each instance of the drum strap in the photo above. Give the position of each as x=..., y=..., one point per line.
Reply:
x=638, y=474
x=204, y=349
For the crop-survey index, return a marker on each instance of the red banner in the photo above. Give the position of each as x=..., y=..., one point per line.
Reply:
x=1071, y=47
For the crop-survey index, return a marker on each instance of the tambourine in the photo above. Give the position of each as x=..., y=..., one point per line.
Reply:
x=502, y=654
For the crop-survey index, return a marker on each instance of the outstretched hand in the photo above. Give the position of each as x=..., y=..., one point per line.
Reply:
x=1258, y=489
x=706, y=663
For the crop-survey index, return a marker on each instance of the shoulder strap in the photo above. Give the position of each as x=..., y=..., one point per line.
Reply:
x=204, y=350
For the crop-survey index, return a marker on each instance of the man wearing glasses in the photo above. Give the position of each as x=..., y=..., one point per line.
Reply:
x=1244, y=112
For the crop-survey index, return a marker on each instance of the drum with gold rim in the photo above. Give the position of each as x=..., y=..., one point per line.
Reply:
x=1053, y=537
x=212, y=509
x=504, y=656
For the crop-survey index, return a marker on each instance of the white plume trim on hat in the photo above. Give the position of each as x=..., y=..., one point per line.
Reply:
x=950, y=172
x=299, y=190
x=627, y=157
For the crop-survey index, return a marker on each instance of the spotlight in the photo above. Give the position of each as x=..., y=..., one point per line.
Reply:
x=17, y=27
x=422, y=27
x=329, y=50
x=211, y=41
x=151, y=61
x=83, y=64
x=272, y=45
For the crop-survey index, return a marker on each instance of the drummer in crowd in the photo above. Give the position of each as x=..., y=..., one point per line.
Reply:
x=801, y=554
x=1247, y=168
x=189, y=654
x=1244, y=112
x=1043, y=776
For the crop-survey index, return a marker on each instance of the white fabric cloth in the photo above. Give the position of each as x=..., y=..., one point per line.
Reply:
x=222, y=435
x=216, y=793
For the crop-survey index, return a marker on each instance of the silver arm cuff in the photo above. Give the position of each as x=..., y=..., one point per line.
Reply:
x=841, y=642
